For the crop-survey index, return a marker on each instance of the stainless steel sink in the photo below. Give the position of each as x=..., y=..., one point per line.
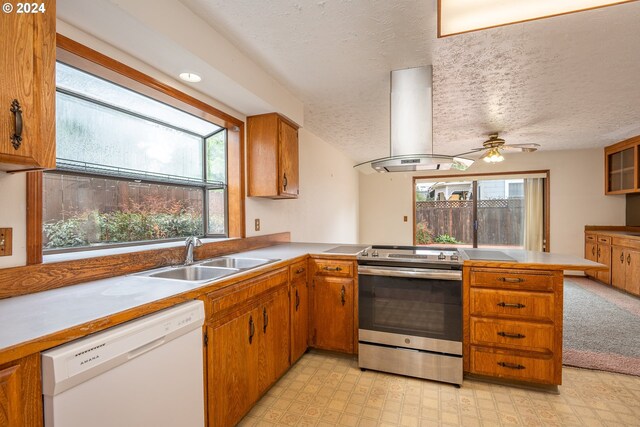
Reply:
x=239, y=263
x=194, y=273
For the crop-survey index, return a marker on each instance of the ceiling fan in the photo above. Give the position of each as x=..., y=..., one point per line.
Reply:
x=494, y=144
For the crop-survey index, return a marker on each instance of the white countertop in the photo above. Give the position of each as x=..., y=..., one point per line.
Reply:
x=29, y=317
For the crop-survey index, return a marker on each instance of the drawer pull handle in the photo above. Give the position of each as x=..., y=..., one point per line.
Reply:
x=511, y=305
x=622, y=257
x=629, y=259
x=508, y=335
x=510, y=365
x=252, y=329
x=343, y=298
x=297, y=300
x=511, y=279
x=599, y=253
x=593, y=250
x=300, y=270
x=284, y=182
x=265, y=316
x=332, y=268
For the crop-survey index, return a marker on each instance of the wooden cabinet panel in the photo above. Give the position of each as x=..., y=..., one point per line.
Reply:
x=273, y=340
x=504, y=364
x=288, y=159
x=332, y=313
x=232, y=366
x=632, y=272
x=621, y=167
x=331, y=267
x=21, y=393
x=272, y=157
x=27, y=75
x=512, y=304
x=618, y=264
x=604, y=257
x=298, y=271
x=591, y=252
x=299, y=318
x=513, y=279
x=517, y=335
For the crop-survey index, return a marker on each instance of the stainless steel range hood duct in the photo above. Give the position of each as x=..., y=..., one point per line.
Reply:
x=411, y=127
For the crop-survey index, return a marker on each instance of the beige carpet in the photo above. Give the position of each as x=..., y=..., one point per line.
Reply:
x=601, y=327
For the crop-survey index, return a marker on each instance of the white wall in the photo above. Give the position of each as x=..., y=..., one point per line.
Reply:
x=13, y=214
x=326, y=210
x=577, y=198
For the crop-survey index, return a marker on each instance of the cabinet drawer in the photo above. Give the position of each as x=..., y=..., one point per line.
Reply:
x=298, y=271
x=510, y=304
x=325, y=267
x=526, y=336
x=606, y=240
x=504, y=364
x=591, y=237
x=243, y=292
x=513, y=279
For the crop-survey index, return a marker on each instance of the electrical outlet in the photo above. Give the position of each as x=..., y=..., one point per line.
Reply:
x=5, y=241
x=406, y=218
x=257, y=224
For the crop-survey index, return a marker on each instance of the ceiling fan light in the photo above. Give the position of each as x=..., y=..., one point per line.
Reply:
x=492, y=156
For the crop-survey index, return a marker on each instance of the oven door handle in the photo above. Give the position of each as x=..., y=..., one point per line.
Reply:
x=422, y=273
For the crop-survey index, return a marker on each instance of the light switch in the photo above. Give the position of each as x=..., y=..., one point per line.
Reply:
x=5, y=241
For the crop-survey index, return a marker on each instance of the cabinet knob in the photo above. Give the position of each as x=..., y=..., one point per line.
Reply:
x=297, y=300
x=593, y=250
x=16, y=138
x=510, y=365
x=265, y=317
x=622, y=257
x=252, y=329
x=343, y=295
x=628, y=259
x=300, y=270
x=284, y=181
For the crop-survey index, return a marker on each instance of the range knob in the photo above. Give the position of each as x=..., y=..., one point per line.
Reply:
x=442, y=256
x=364, y=253
x=374, y=253
x=454, y=257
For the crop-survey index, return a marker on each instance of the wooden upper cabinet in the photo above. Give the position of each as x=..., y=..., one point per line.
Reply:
x=272, y=157
x=622, y=167
x=27, y=89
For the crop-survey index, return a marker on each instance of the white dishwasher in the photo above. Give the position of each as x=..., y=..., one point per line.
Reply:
x=147, y=372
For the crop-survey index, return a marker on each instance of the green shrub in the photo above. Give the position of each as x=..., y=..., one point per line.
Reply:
x=445, y=238
x=424, y=236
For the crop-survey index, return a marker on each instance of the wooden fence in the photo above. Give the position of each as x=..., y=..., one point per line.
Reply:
x=500, y=221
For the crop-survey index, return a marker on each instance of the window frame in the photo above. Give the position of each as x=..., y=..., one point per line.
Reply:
x=82, y=57
x=475, y=177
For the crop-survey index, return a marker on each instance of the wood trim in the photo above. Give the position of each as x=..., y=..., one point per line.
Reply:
x=524, y=20
x=41, y=277
x=623, y=228
x=235, y=182
x=34, y=218
x=547, y=213
x=466, y=175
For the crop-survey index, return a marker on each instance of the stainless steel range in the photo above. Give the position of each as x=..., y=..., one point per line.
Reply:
x=410, y=311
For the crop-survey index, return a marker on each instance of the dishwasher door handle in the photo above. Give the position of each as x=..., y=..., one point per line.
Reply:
x=145, y=348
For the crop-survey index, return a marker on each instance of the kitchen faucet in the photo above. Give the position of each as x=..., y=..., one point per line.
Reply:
x=191, y=242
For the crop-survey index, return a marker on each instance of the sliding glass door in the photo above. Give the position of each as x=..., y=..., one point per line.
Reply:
x=493, y=213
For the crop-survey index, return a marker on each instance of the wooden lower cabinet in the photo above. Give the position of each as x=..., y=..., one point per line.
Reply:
x=299, y=309
x=248, y=345
x=333, y=314
x=625, y=269
x=597, y=248
x=512, y=324
x=21, y=393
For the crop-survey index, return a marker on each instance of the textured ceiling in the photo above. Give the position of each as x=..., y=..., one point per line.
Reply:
x=566, y=82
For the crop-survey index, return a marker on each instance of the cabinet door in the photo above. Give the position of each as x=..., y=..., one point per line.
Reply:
x=232, y=368
x=27, y=76
x=288, y=159
x=591, y=253
x=632, y=276
x=604, y=257
x=274, y=339
x=333, y=313
x=299, y=319
x=20, y=393
x=618, y=262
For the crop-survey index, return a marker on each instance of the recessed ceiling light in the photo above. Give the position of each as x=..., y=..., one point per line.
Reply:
x=461, y=16
x=190, y=77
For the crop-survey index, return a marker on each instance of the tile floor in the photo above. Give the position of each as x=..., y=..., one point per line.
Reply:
x=325, y=389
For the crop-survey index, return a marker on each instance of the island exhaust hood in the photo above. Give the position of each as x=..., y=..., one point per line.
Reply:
x=411, y=127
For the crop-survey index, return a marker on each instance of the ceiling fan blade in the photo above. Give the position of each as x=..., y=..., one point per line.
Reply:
x=532, y=145
x=475, y=150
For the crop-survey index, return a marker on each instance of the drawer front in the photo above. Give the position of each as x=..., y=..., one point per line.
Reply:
x=511, y=304
x=513, y=279
x=604, y=240
x=298, y=272
x=525, y=336
x=325, y=267
x=512, y=366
